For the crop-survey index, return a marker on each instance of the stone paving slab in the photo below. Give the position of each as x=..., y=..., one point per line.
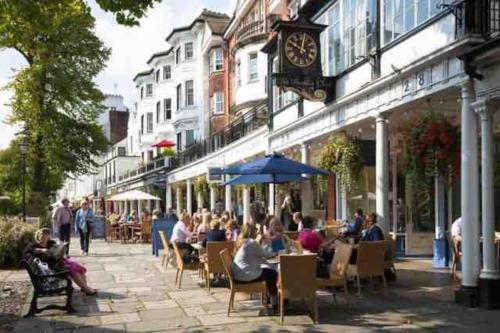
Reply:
x=136, y=294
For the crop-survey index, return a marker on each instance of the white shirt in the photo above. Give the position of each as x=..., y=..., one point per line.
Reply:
x=456, y=228
x=180, y=233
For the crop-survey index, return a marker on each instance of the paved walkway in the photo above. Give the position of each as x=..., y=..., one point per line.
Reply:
x=137, y=295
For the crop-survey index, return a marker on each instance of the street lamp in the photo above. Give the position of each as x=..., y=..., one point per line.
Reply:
x=23, y=146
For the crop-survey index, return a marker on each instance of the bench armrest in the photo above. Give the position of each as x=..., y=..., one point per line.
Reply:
x=60, y=274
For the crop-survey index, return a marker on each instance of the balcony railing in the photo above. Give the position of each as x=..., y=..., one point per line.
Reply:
x=240, y=127
x=476, y=18
x=250, y=30
x=156, y=165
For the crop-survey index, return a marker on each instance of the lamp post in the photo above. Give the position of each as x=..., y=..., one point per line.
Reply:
x=23, y=146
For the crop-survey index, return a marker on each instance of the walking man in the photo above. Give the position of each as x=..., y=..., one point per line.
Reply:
x=62, y=221
x=82, y=225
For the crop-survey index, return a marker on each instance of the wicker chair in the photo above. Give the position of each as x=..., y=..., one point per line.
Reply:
x=236, y=287
x=297, y=280
x=167, y=255
x=370, y=262
x=213, y=263
x=182, y=266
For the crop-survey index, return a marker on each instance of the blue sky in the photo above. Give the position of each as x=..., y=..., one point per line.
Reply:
x=131, y=47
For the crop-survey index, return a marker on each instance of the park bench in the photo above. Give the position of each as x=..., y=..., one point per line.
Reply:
x=48, y=285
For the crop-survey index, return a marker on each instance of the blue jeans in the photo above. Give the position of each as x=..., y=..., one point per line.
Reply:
x=65, y=235
x=84, y=240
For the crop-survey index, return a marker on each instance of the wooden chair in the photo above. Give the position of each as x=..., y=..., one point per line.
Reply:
x=181, y=265
x=298, y=247
x=455, y=252
x=213, y=262
x=236, y=287
x=297, y=280
x=370, y=262
x=113, y=232
x=167, y=255
x=292, y=235
x=338, y=271
x=145, y=233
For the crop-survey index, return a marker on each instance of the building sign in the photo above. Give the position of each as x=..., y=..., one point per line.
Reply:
x=295, y=60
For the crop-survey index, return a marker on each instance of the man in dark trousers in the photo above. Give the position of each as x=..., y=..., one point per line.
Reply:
x=62, y=221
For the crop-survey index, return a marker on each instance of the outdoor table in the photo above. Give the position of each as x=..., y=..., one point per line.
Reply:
x=166, y=225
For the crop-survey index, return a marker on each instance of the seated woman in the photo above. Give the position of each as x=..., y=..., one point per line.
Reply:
x=232, y=230
x=246, y=266
x=204, y=227
x=274, y=239
x=215, y=234
x=133, y=217
x=308, y=238
x=41, y=249
x=373, y=233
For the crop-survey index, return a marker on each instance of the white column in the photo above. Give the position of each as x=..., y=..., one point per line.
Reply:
x=139, y=209
x=306, y=195
x=150, y=206
x=168, y=196
x=439, y=208
x=157, y=205
x=178, y=198
x=227, y=198
x=272, y=203
x=394, y=198
x=382, y=174
x=212, y=198
x=127, y=211
x=189, y=197
x=485, y=112
x=469, y=191
x=246, y=204
x=199, y=200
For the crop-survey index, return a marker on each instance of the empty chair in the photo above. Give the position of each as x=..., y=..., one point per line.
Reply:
x=213, y=262
x=167, y=255
x=244, y=287
x=338, y=271
x=181, y=265
x=370, y=262
x=297, y=281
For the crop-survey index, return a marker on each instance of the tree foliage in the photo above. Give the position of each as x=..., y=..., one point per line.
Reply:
x=128, y=12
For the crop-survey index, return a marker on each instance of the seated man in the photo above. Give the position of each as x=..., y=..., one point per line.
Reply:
x=181, y=234
x=308, y=238
x=354, y=227
x=296, y=224
x=373, y=233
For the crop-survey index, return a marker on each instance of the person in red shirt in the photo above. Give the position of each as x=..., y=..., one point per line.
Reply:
x=308, y=238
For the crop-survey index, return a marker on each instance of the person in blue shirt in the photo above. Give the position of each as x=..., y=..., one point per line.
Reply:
x=354, y=227
x=373, y=233
x=214, y=234
x=83, y=219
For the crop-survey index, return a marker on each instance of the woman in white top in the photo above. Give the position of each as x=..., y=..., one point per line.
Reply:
x=247, y=263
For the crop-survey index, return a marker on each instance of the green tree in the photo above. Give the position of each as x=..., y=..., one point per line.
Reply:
x=55, y=97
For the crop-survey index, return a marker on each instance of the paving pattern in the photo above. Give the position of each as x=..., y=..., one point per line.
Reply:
x=137, y=295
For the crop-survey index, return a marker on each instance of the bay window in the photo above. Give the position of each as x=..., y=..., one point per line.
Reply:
x=149, y=121
x=167, y=109
x=167, y=72
x=253, y=71
x=158, y=112
x=188, y=51
x=350, y=35
x=217, y=103
x=189, y=86
x=149, y=90
x=401, y=16
x=216, y=60
x=178, y=99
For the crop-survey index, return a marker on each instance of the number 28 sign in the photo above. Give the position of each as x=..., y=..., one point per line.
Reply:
x=414, y=83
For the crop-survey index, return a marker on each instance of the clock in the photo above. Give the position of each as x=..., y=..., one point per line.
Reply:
x=301, y=49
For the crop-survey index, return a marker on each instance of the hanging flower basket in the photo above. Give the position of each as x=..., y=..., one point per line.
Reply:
x=342, y=156
x=200, y=184
x=428, y=147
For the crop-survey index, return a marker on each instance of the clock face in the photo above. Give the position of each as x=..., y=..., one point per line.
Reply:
x=301, y=49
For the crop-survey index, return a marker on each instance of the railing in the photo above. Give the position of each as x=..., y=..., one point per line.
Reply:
x=240, y=127
x=250, y=30
x=476, y=17
x=156, y=165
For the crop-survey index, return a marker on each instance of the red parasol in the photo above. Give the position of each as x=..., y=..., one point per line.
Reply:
x=164, y=143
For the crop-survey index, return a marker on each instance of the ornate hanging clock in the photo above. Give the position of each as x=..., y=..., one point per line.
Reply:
x=296, y=47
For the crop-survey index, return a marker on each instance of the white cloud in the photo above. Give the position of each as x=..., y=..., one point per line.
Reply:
x=131, y=47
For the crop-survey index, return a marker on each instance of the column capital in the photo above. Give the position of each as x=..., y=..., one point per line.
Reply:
x=465, y=85
x=482, y=107
x=381, y=118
